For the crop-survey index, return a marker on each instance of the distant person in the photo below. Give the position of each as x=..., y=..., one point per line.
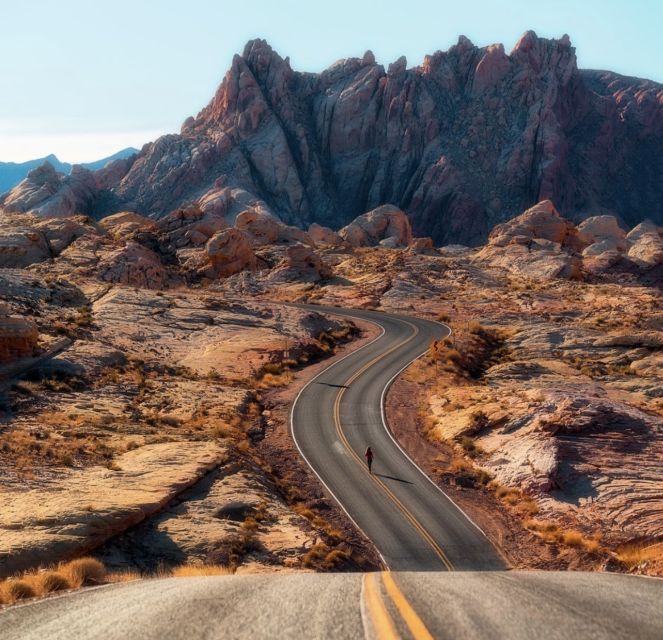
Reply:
x=369, y=458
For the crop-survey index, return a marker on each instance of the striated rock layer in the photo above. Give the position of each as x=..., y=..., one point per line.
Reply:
x=467, y=139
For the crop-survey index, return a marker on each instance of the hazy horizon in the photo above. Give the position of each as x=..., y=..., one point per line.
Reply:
x=87, y=81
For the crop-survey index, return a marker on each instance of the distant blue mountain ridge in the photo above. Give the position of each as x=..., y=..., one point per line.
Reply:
x=11, y=173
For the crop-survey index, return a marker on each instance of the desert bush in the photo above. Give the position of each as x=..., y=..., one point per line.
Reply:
x=84, y=571
x=51, y=581
x=317, y=552
x=632, y=555
x=273, y=368
x=334, y=558
x=231, y=550
x=18, y=589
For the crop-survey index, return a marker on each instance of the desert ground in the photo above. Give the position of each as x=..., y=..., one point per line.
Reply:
x=148, y=369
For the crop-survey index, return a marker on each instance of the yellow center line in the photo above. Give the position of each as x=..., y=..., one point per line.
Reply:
x=339, y=430
x=413, y=621
x=382, y=622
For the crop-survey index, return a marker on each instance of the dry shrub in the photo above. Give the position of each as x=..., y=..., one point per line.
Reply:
x=273, y=380
x=317, y=552
x=573, y=538
x=273, y=368
x=551, y=533
x=18, y=589
x=51, y=581
x=84, y=571
x=334, y=558
x=632, y=555
x=231, y=550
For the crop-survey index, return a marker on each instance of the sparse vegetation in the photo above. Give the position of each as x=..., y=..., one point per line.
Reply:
x=88, y=571
x=635, y=554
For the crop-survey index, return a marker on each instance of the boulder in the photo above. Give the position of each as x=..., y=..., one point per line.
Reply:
x=264, y=228
x=538, y=244
x=21, y=244
x=188, y=227
x=134, y=265
x=261, y=227
x=126, y=224
x=602, y=234
x=540, y=221
x=18, y=336
x=382, y=223
x=301, y=264
x=61, y=232
x=646, y=248
x=228, y=252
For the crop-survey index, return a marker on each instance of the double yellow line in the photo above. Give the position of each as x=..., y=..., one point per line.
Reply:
x=378, y=613
x=381, y=485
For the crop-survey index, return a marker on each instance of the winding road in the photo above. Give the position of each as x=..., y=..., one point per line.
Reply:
x=413, y=523
x=418, y=530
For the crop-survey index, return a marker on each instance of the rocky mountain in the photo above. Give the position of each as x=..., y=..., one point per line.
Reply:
x=464, y=141
x=11, y=173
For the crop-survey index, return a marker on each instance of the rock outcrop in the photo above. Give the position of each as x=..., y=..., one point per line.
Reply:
x=228, y=252
x=538, y=243
x=301, y=264
x=470, y=137
x=135, y=265
x=543, y=245
x=646, y=245
x=386, y=225
x=47, y=193
x=18, y=336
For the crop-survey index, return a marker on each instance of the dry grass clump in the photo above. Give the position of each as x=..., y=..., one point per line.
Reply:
x=30, y=449
x=467, y=474
x=552, y=534
x=14, y=590
x=634, y=554
x=321, y=556
x=89, y=571
x=84, y=571
x=63, y=576
x=231, y=550
x=52, y=581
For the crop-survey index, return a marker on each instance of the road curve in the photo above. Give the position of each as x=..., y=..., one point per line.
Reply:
x=414, y=525
x=514, y=604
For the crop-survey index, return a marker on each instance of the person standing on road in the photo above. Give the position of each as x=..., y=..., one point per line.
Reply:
x=369, y=458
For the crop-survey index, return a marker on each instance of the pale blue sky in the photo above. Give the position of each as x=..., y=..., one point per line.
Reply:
x=83, y=78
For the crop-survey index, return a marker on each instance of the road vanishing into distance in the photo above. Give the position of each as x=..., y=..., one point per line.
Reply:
x=443, y=578
x=411, y=522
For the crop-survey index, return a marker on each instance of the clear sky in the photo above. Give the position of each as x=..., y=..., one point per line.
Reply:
x=84, y=78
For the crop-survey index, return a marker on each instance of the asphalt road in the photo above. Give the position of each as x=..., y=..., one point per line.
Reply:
x=509, y=604
x=412, y=523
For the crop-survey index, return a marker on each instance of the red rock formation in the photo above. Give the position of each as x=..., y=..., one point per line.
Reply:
x=471, y=137
x=386, y=225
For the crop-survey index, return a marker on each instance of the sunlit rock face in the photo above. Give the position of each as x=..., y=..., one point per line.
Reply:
x=469, y=138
